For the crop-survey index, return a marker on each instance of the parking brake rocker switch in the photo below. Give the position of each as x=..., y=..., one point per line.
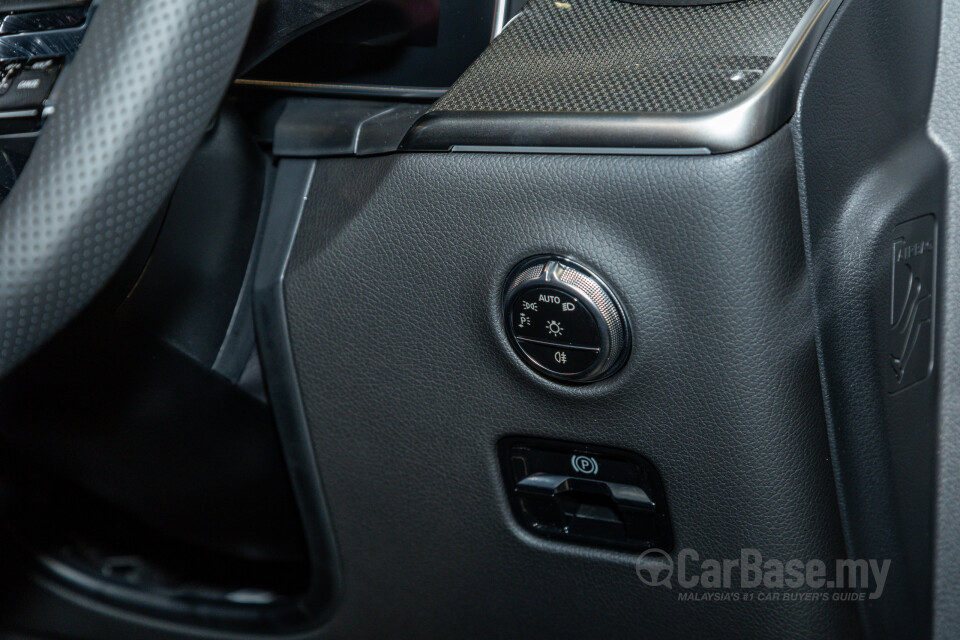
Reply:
x=622, y=495
x=586, y=494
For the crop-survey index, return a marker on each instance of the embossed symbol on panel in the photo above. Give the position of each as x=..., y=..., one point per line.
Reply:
x=912, y=284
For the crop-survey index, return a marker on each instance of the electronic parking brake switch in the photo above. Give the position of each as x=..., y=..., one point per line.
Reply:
x=586, y=494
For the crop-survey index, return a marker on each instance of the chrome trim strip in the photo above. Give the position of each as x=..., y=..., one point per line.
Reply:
x=763, y=108
x=431, y=93
x=596, y=151
x=23, y=113
x=744, y=121
x=499, y=18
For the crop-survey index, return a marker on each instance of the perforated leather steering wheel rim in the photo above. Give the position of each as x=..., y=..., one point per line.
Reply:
x=129, y=111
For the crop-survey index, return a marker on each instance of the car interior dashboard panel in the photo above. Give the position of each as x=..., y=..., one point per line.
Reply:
x=428, y=319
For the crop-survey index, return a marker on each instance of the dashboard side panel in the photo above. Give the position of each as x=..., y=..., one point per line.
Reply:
x=392, y=294
x=867, y=169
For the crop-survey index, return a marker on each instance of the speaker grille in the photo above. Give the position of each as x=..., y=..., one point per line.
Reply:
x=609, y=56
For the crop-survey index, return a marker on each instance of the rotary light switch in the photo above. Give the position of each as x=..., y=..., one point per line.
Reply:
x=564, y=321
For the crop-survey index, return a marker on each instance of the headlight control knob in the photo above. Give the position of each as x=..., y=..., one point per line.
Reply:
x=564, y=321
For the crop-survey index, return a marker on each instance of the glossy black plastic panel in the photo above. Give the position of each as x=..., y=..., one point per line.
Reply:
x=586, y=494
x=374, y=44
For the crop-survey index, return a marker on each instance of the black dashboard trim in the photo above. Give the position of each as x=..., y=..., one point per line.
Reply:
x=293, y=178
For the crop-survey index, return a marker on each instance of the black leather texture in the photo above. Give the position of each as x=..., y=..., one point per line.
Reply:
x=393, y=296
x=866, y=165
x=944, y=127
x=130, y=110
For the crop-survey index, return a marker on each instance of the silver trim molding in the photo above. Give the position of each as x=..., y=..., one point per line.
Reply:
x=763, y=108
x=742, y=122
x=500, y=18
x=415, y=93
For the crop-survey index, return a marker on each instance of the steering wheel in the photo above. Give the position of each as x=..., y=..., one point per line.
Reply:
x=130, y=109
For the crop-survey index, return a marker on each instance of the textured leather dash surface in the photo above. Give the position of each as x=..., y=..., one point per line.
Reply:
x=393, y=293
x=867, y=166
x=129, y=112
x=945, y=128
